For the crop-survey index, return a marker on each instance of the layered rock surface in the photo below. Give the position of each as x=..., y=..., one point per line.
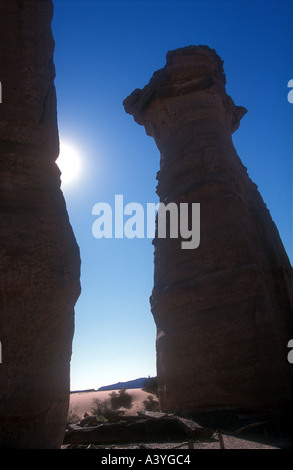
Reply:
x=39, y=256
x=223, y=310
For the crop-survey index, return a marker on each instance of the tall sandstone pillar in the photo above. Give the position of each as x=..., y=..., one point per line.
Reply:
x=223, y=310
x=39, y=257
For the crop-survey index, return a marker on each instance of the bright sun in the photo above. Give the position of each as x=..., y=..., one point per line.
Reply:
x=68, y=163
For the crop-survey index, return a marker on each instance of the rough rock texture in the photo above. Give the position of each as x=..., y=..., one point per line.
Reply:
x=39, y=257
x=166, y=428
x=223, y=310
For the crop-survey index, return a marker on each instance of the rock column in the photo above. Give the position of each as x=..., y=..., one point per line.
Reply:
x=39, y=256
x=223, y=310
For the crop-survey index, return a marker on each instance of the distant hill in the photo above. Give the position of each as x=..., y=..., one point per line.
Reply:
x=83, y=391
x=136, y=383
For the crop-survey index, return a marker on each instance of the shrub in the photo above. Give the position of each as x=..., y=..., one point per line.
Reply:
x=103, y=410
x=151, y=385
x=121, y=399
x=150, y=404
x=72, y=416
x=109, y=409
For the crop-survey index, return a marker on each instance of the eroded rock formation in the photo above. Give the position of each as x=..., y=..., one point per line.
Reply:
x=39, y=257
x=223, y=310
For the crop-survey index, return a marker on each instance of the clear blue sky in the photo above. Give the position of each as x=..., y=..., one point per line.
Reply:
x=106, y=49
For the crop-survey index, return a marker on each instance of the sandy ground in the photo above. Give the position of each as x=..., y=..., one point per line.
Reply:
x=229, y=442
x=82, y=402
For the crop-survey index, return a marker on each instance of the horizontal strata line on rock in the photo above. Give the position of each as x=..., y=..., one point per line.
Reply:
x=14, y=144
x=221, y=174
x=201, y=150
x=41, y=138
x=172, y=89
x=192, y=310
x=191, y=283
x=41, y=154
x=199, y=158
x=137, y=103
x=184, y=189
x=27, y=161
x=207, y=143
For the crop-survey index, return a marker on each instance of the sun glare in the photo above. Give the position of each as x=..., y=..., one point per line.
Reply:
x=68, y=163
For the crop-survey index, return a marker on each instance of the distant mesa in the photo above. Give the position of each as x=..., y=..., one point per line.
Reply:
x=136, y=383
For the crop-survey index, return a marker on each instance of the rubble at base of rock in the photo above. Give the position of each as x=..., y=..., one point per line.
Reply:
x=169, y=431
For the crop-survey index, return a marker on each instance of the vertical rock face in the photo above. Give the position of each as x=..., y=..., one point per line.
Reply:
x=39, y=257
x=223, y=310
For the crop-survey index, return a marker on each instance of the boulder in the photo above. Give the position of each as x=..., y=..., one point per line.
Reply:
x=157, y=429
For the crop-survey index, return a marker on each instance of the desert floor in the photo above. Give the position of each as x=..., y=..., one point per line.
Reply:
x=82, y=402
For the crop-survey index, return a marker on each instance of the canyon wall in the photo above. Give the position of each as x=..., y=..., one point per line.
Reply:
x=39, y=256
x=223, y=310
